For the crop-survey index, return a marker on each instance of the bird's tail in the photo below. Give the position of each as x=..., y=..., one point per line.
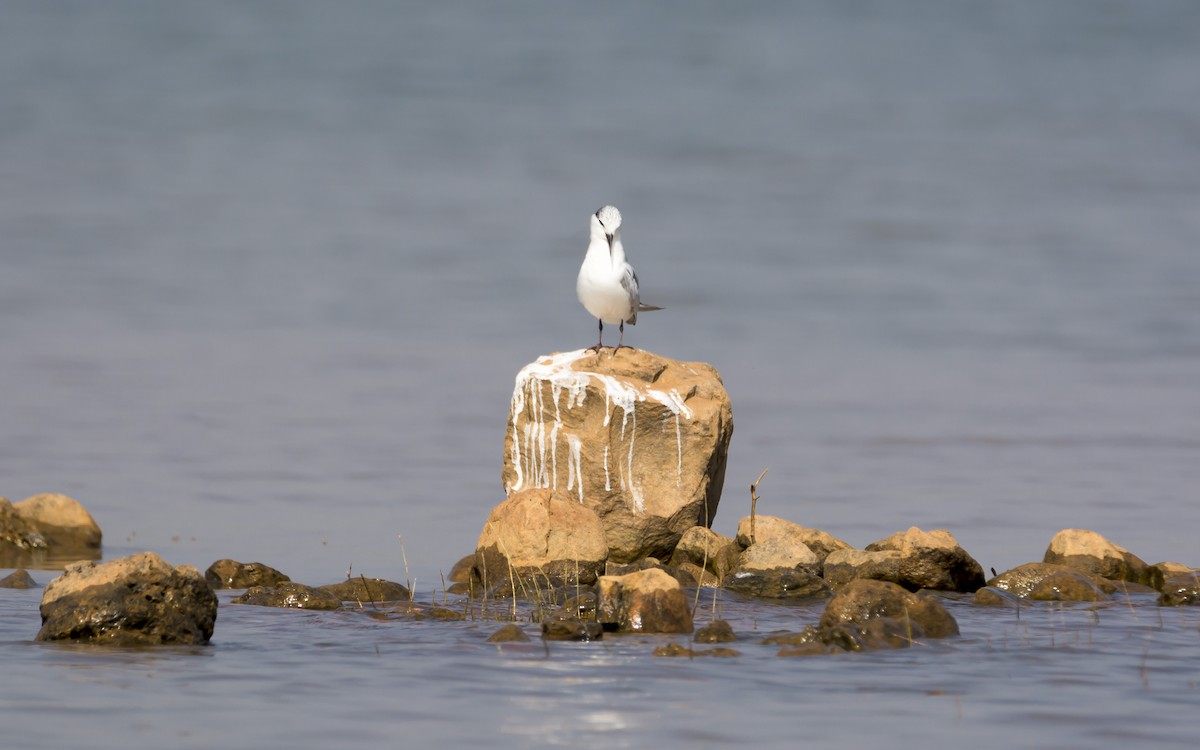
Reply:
x=646, y=308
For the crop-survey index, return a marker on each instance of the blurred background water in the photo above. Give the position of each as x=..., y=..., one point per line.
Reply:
x=268, y=270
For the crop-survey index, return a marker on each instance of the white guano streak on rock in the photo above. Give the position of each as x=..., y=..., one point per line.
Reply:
x=558, y=371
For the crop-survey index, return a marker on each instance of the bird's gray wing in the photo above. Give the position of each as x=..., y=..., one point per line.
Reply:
x=629, y=283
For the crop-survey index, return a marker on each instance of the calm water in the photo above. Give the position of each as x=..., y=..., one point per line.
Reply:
x=267, y=272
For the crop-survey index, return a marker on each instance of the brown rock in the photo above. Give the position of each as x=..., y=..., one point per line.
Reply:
x=61, y=520
x=767, y=528
x=699, y=576
x=1067, y=586
x=649, y=601
x=136, y=600
x=368, y=590
x=989, y=596
x=289, y=595
x=563, y=627
x=640, y=439
x=541, y=532
x=18, y=579
x=461, y=571
x=17, y=533
x=1180, y=589
x=1091, y=553
x=509, y=633
x=703, y=547
x=1023, y=579
x=778, y=567
x=678, y=649
x=845, y=565
x=861, y=601
x=932, y=560
x=231, y=574
x=717, y=631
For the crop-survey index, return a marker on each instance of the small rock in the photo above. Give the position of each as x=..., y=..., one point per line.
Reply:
x=717, y=631
x=677, y=649
x=289, y=594
x=778, y=583
x=861, y=601
x=542, y=533
x=649, y=601
x=444, y=614
x=705, y=548
x=932, y=560
x=368, y=590
x=1180, y=589
x=18, y=533
x=566, y=628
x=1160, y=572
x=136, y=600
x=845, y=565
x=231, y=574
x=1067, y=586
x=771, y=527
x=1023, y=579
x=1091, y=553
x=509, y=633
x=699, y=576
x=18, y=579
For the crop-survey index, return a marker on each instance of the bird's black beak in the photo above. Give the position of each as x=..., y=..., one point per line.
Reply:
x=610, y=241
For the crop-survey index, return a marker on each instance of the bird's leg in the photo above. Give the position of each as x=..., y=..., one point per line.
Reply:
x=621, y=338
x=600, y=342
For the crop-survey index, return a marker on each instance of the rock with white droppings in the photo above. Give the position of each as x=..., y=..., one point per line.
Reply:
x=640, y=439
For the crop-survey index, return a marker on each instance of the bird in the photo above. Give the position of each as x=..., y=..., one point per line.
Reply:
x=607, y=286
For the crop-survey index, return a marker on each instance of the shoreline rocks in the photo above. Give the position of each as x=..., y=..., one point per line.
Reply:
x=46, y=531
x=1090, y=552
x=639, y=439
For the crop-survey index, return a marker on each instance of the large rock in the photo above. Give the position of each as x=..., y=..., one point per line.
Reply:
x=136, y=600
x=640, y=439
x=859, y=602
x=544, y=534
x=766, y=528
x=649, y=601
x=1091, y=553
x=932, y=560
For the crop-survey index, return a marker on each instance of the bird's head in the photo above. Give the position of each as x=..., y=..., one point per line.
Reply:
x=606, y=222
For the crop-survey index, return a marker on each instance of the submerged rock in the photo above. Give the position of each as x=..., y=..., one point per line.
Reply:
x=989, y=596
x=1024, y=579
x=717, y=631
x=860, y=602
x=1089, y=552
x=640, y=439
x=368, y=590
x=931, y=560
x=566, y=627
x=649, y=601
x=291, y=595
x=678, y=649
x=510, y=633
x=18, y=579
x=136, y=600
x=231, y=574
x=541, y=533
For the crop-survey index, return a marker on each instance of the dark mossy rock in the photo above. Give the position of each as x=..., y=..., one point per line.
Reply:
x=778, y=583
x=139, y=600
x=845, y=565
x=582, y=606
x=931, y=560
x=231, y=574
x=510, y=633
x=717, y=631
x=18, y=579
x=567, y=628
x=460, y=572
x=678, y=649
x=368, y=590
x=859, y=602
x=444, y=613
x=1180, y=589
x=290, y=595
